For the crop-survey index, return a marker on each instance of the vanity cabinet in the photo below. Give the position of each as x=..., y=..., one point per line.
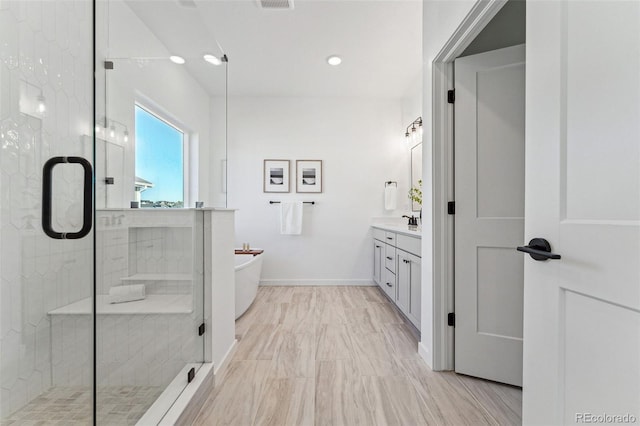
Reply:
x=397, y=270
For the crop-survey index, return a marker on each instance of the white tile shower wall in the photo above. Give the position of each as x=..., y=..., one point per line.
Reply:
x=45, y=49
x=132, y=350
x=162, y=251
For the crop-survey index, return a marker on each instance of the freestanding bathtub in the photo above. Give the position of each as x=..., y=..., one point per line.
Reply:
x=248, y=269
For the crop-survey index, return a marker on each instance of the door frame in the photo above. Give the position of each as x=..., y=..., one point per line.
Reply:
x=482, y=12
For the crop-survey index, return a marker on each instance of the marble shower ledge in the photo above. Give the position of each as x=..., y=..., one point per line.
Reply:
x=158, y=277
x=153, y=304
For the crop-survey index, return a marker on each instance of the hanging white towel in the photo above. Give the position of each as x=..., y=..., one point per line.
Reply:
x=291, y=217
x=126, y=293
x=390, y=197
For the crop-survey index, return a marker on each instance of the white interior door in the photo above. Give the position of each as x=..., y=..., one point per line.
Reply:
x=489, y=219
x=582, y=312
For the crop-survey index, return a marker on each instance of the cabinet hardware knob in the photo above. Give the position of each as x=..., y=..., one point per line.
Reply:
x=389, y=238
x=389, y=285
x=390, y=258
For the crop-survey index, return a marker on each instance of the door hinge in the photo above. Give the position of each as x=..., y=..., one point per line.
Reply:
x=451, y=319
x=108, y=65
x=451, y=207
x=451, y=96
x=201, y=329
x=191, y=374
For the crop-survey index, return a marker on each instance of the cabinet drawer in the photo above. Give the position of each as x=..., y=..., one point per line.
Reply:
x=409, y=244
x=390, y=258
x=378, y=234
x=389, y=284
x=390, y=238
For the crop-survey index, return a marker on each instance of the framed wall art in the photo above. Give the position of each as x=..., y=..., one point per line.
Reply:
x=309, y=176
x=276, y=176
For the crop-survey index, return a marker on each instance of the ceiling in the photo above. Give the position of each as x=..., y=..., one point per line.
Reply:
x=283, y=52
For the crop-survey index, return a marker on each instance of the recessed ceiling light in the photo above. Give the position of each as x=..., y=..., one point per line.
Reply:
x=212, y=59
x=177, y=59
x=334, y=60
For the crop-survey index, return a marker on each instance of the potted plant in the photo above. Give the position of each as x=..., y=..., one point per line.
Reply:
x=415, y=195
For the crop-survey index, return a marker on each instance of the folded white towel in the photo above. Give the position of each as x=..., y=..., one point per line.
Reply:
x=390, y=197
x=291, y=217
x=126, y=293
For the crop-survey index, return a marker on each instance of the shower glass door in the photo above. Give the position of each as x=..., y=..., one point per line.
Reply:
x=156, y=157
x=46, y=238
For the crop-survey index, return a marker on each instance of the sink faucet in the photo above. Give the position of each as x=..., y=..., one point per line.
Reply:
x=413, y=221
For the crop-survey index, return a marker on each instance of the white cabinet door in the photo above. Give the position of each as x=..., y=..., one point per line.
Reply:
x=582, y=312
x=408, y=286
x=403, y=276
x=489, y=220
x=378, y=248
x=415, y=284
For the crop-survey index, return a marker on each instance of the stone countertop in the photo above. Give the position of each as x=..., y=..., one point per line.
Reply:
x=400, y=229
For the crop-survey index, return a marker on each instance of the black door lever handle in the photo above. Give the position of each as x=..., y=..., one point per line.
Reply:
x=539, y=249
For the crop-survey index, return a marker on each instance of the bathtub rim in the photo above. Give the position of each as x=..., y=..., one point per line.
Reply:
x=253, y=259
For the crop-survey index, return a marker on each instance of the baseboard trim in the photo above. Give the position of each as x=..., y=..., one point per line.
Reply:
x=224, y=363
x=425, y=354
x=314, y=282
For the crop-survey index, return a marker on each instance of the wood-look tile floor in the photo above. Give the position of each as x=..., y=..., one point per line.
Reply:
x=342, y=356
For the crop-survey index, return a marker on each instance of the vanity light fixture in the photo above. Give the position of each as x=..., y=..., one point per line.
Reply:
x=212, y=59
x=334, y=60
x=412, y=133
x=177, y=59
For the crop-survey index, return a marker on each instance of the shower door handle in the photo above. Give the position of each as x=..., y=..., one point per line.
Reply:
x=47, y=187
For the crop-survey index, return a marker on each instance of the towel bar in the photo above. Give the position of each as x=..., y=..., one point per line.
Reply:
x=305, y=202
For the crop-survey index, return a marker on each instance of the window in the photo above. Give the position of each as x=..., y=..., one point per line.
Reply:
x=160, y=170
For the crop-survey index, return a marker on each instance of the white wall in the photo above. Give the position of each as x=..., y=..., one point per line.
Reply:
x=412, y=102
x=361, y=144
x=218, y=153
x=440, y=20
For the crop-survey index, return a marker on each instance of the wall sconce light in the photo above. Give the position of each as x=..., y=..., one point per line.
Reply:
x=42, y=104
x=413, y=133
x=32, y=104
x=115, y=128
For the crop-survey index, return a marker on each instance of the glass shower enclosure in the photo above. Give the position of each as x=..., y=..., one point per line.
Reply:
x=101, y=304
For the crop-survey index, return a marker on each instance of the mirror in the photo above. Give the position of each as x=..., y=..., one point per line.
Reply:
x=416, y=172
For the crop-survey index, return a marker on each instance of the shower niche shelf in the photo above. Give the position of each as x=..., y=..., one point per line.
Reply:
x=158, y=277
